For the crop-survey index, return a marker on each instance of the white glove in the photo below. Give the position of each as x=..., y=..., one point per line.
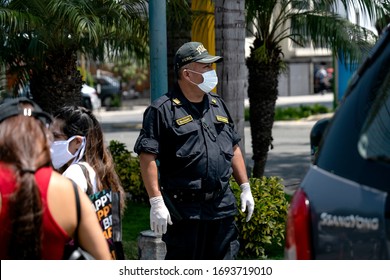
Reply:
x=247, y=200
x=159, y=215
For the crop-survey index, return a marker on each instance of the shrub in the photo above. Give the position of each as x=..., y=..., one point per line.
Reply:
x=128, y=170
x=116, y=101
x=302, y=111
x=265, y=231
x=295, y=113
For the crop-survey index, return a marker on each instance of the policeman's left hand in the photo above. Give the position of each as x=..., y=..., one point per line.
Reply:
x=247, y=200
x=159, y=215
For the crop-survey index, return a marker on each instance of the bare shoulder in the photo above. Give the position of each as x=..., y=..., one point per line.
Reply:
x=59, y=181
x=60, y=187
x=62, y=202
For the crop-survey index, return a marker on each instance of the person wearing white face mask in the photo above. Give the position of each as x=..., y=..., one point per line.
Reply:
x=188, y=149
x=65, y=151
x=79, y=152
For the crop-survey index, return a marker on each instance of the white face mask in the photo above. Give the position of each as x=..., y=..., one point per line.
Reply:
x=210, y=80
x=60, y=154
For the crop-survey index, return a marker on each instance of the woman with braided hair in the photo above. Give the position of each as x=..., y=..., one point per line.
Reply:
x=38, y=205
x=79, y=152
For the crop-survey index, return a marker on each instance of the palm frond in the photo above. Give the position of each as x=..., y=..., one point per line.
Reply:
x=322, y=22
x=102, y=29
x=179, y=14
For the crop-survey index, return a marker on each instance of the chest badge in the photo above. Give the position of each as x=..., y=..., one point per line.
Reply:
x=184, y=120
x=222, y=119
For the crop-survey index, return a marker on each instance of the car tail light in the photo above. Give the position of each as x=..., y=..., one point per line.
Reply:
x=298, y=240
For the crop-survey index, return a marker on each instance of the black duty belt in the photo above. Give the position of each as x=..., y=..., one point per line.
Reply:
x=193, y=195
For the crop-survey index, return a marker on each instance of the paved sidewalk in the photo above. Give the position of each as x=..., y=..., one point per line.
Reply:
x=324, y=99
x=286, y=101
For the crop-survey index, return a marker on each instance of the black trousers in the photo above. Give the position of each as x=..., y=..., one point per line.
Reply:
x=202, y=240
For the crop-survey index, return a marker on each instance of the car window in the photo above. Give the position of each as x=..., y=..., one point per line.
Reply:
x=107, y=81
x=374, y=141
x=102, y=81
x=112, y=81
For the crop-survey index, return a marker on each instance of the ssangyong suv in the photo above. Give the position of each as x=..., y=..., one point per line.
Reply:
x=341, y=209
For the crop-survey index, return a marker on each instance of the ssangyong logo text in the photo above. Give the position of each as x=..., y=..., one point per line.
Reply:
x=350, y=221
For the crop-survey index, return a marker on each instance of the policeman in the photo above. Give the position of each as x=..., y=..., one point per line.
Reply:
x=188, y=150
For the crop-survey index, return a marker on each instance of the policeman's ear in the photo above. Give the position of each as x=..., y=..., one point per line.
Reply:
x=185, y=73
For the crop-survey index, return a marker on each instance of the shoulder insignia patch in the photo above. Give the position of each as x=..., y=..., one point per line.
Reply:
x=184, y=120
x=222, y=119
x=176, y=101
x=214, y=101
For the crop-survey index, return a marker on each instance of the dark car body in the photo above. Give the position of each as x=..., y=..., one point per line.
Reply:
x=110, y=89
x=341, y=209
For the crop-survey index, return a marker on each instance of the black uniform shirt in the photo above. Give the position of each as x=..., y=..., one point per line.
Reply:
x=194, y=152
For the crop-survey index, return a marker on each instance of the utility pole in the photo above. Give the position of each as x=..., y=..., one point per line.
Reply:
x=158, y=48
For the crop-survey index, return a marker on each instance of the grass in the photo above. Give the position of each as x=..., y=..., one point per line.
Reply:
x=135, y=220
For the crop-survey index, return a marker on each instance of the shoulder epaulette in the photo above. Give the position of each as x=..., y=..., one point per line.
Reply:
x=214, y=99
x=160, y=101
x=176, y=101
x=214, y=95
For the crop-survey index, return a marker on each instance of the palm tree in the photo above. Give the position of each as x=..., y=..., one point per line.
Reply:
x=301, y=21
x=40, y=41
x=179, y=21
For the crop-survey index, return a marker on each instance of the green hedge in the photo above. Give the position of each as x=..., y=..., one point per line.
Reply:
x=303, y=111
x=264, y=233
x=129, y=172
x=295, y=113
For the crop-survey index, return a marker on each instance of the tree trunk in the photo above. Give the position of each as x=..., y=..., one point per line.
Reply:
x=177, y=35
x=176, y=38
x=262, y=92
x=230, y=43
x=52, y=90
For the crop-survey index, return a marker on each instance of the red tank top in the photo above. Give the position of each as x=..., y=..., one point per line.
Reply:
x=54, y=237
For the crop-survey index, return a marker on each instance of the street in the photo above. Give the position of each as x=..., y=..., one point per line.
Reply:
x=290, y=157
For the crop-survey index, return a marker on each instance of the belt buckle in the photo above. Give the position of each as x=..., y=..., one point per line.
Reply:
x=208, y=196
